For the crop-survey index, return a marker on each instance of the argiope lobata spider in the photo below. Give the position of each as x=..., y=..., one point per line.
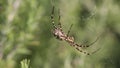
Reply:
x=59, y=34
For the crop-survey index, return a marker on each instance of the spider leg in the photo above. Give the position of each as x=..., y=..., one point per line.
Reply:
x=83, y=51
x=92, y=42
x=83, y=45
x=59, y=18
x=80, y=50
x=52, y=17
x=69, y=30
x=95, y=51
x=87, y=53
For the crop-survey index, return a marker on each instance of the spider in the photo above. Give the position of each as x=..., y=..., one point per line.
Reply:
x=59, y=34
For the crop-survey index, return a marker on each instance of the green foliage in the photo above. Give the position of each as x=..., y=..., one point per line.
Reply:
x=25, y=32
x=25, y=63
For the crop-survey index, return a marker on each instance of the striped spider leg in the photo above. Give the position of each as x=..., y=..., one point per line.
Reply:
x=59, y=34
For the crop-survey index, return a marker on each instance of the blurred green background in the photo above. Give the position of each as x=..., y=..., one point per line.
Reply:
x=25, y=33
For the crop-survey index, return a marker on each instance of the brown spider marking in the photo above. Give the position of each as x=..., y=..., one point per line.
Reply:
x=59, y=34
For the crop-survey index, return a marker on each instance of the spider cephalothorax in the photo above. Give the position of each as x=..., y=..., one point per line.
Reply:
x=59, y=34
